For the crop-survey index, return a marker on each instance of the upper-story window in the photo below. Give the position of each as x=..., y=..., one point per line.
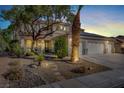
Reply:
x=61, y=27
x=64, y=28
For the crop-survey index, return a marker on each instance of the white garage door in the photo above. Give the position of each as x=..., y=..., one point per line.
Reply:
x=95, y=48
x=109, y=48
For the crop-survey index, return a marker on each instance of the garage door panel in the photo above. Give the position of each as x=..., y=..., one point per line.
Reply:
x=95, y=48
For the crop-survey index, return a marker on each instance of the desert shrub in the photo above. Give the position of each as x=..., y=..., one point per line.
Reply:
x=5, y=38
x=61, y=47
x=40, y=58
x=15, y=48
x=78, y=70
x=3, y=44
x=29, y=53
x=15, y=72
x=18, y=51
x=15, y=63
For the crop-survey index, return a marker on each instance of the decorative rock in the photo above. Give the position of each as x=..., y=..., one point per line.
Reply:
x=33, y=66
x=57, y=73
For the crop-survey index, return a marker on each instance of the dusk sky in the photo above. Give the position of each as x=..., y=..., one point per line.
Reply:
x=103, y=20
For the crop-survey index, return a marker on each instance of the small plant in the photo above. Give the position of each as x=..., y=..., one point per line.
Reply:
x=40, y=58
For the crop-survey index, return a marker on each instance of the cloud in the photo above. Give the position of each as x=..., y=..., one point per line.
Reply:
x=109, y=29
x=103, y=23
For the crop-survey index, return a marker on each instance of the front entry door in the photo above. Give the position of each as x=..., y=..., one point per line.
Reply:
x=47, y=46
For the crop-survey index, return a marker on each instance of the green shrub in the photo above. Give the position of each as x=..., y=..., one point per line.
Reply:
x=40, y=58
x=61, y=47
x=30, y=53
x=18, y=51
x=15, y=48
x=3, y=44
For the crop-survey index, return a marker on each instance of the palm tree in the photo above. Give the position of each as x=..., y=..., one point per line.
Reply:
x=76, y=37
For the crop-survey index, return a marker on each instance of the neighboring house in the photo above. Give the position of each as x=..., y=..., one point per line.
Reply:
x=119, y=44
x=89, y=43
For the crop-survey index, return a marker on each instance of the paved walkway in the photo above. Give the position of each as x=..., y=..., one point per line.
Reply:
x=107, y=79
x=56, y=72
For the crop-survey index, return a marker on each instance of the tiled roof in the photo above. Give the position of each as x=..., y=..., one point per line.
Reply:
x=120, y=38
x=91, y=35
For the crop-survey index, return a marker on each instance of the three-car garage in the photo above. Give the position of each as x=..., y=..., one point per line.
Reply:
x=88, y=47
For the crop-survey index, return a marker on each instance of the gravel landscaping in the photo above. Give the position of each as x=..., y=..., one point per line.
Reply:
x=69, y=70
x=29, y=80
x=50, y=71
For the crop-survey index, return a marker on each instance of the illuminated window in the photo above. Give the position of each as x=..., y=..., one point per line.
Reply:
x=61, y=27
x=28, y=43
x=64, y=28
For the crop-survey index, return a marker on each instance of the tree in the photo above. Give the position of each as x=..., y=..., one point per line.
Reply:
x=27, y=20
x=76, y=37
x=5, y=38
x=2, y=42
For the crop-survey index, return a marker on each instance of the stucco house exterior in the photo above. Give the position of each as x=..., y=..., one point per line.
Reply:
x=89, y=43
x=45, y=44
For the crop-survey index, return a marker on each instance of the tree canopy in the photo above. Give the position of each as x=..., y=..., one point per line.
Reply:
x=27, y=20
x=28, y=17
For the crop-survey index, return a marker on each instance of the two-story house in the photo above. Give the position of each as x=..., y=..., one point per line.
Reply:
x=89, y=43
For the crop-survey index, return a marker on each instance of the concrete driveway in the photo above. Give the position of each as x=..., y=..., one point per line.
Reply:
x=114, y=61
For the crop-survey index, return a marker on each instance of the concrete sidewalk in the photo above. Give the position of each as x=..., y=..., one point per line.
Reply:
x=107, y=79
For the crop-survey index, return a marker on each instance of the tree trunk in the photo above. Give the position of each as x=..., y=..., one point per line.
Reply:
x=76, y=37
x=75, y=54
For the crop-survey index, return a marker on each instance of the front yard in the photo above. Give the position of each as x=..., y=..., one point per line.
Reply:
x=50, y=71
